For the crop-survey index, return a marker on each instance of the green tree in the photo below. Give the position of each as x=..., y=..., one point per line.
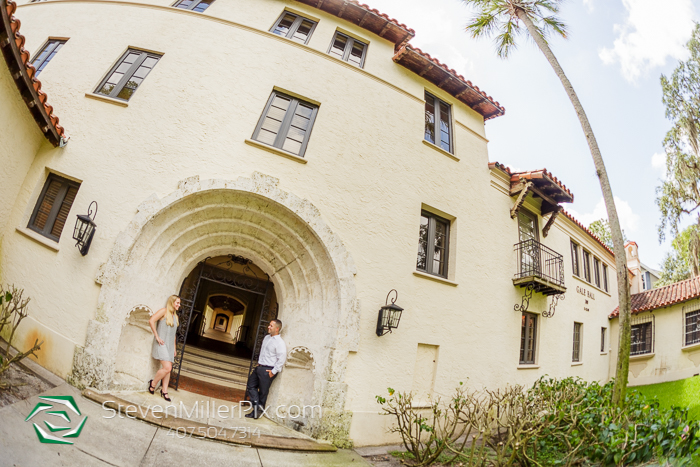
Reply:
x=505, y=19
x=679, y=194
x=601, y=229
x=681, y=263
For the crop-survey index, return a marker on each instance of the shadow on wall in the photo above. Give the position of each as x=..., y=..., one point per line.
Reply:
x=134, y=363
x=298, y=381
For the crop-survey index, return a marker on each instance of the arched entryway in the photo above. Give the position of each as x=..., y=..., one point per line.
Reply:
x=227, y=303
x=283, y=235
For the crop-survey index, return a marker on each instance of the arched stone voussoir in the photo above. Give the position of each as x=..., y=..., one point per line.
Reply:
x=285, y=235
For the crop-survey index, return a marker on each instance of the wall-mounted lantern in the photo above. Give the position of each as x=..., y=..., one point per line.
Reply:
x=389, y=315
x=85, y=229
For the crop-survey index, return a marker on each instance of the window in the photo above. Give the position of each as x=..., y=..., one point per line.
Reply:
x=692, y=327
x=603, y=331
x=46, y=54
x=433, y=241
x=528, y=338
x=605, y=278
x=596, y=271
x=587, y=266
x=52, y=208
x=294, y=27
x=286, y=123
x=348, y=49
x=642, y=338
x=646, y=281
x=576, y=356
x=194, y=5
x=438, y=111
x=128, y=74
x=574, y=260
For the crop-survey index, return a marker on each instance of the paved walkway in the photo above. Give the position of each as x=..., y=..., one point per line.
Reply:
x=112, y=439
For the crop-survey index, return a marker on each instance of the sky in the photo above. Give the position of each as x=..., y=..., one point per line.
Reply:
x=614, y=55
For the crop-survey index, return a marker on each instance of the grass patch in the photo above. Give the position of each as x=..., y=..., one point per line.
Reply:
x=683, y=393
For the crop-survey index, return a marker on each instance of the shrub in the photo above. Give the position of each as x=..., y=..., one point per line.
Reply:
x=13, y=309
x=558, y=422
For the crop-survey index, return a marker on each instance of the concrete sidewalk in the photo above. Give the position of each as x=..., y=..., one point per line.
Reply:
x=124, y=441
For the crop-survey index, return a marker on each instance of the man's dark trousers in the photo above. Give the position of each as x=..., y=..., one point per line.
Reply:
x=259, y=386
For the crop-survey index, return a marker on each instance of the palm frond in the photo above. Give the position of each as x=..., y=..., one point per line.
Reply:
x=505, y=42
x=554, y=24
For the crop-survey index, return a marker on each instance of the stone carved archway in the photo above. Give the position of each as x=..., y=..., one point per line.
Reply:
x=283, y=234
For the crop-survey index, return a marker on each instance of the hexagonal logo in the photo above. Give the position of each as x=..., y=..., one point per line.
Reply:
x=57, y=421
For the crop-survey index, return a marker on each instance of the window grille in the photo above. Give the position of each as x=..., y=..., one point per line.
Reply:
x=691, y=324
x=642, y=334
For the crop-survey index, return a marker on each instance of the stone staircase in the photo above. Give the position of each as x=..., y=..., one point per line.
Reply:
x=215, y=368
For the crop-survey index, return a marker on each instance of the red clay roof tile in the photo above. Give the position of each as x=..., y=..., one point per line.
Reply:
x=17, y=59
x=663, y=296
x=506, y=170
x=448, y=80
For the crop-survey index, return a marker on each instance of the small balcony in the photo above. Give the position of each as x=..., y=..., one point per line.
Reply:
x=540, y=267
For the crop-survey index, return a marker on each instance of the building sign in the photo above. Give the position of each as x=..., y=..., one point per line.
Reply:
x=586, y=293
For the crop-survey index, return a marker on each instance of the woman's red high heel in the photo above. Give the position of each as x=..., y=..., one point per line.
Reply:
x=151, y=389
x=165, y=395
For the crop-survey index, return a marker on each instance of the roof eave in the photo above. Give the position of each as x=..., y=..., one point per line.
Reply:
x=17, y=59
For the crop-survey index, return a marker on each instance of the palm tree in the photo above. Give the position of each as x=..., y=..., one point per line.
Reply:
x=504, y=18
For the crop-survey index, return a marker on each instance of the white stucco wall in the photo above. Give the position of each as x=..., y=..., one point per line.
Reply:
x=21, y=139
x=671, y=359
x=367, y=177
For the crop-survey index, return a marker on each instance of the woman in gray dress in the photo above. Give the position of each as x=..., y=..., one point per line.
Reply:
x=164, y=343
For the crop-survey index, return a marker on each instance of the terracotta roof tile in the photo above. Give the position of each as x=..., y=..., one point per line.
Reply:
x=506, y=170
x=17, y=59
x=448, y=80
x=663, y=296
x=367, y=18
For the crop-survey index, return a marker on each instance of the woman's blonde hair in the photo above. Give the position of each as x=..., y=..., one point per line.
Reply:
x=171, y=312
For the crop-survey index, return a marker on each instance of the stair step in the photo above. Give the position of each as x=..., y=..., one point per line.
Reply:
x=213, y=379
x=214, y=371
x=203, y=361
x=192, y=350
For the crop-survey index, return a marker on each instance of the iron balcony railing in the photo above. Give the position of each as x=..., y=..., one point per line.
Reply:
x=538, y=261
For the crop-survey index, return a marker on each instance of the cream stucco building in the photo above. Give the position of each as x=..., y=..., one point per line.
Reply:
x=296, y=158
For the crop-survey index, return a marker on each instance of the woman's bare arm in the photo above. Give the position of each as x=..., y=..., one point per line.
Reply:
x=158, y=315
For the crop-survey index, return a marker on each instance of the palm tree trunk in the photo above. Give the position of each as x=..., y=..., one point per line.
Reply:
x=623, y=289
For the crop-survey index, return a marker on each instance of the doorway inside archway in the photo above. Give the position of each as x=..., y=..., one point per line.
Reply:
x=227, y=302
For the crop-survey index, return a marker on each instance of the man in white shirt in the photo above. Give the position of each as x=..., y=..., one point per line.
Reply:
x=273, y=354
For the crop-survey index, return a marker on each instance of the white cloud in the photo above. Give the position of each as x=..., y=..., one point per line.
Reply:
x=653, y=31
x=589, y=5
x=658, y=161
x=629, y=221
